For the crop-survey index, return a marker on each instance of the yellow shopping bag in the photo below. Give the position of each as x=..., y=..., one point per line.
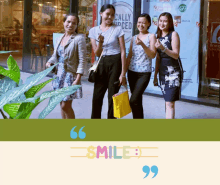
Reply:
x=121, y=104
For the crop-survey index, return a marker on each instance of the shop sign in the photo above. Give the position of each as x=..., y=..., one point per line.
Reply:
x=166, y=7
x=185, y=20
x=215, y=33
x=155, y=20
x=179, y=0
x=177, y=20
x=164, y=0
x=124, y=18
x=158, y=8
x=182, y=8
x=215, y=37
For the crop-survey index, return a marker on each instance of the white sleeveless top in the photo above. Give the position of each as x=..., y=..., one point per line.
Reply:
x=140, y=62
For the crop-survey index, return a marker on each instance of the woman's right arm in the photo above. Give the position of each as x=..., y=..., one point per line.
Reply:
x=53, y=58
x=97, y=49
x=157, y=66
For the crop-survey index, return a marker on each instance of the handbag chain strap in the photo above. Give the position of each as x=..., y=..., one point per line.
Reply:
x=103, y=49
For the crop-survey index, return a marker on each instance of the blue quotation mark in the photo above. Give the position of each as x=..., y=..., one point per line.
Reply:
x=74, y=134
x=153, y=169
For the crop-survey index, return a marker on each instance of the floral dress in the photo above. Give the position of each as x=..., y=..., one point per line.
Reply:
x=63, y=78
x=170, y=72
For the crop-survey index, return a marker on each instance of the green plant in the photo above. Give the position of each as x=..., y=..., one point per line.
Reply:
x=19, y=99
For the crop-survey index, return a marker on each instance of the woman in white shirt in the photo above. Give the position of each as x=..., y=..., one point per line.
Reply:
x=142, y=51
x=111, y=69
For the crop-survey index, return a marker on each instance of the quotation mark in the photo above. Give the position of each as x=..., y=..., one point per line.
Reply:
x=154, y=169
x=74, y=134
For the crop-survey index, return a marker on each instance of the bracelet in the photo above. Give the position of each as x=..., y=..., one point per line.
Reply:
x=124, y=76
x=164, y=49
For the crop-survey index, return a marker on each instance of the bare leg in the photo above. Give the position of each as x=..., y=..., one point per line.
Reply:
x=170, y=110
x=67, y=110
x=63, y=114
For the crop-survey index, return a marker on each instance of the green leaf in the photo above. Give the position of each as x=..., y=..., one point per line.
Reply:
x=26, y=109
x=13, y=71
x=35, y=89
x=54, y=100
x=49, y=94
x=12, y=94
x=28, y=116
x=6, y=84
x=13, y=66
x=29, y=104
x=64, y=91
x=12, y=109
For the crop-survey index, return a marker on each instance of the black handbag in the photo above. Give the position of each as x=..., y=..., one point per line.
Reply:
x=92, y=75
x=93, y=70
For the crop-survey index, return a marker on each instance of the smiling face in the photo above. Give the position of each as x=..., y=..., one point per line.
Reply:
x=142, y=24
x=108, y=16
x=70, y=25
x=164, y=23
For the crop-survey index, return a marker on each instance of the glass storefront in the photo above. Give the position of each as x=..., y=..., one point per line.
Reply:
x=47, y=19
x=87, y=15
x=209, y=85
x=11, y=30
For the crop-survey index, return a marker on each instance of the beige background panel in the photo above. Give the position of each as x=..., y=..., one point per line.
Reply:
x=49, y=163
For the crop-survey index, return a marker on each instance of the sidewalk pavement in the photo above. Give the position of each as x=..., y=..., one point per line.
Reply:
x=154, y=107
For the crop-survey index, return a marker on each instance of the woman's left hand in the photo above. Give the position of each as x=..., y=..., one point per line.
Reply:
x=122, y=80
x=158, y=45
x=138, y=41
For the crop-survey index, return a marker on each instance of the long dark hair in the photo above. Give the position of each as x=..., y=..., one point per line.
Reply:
x=170, y=23
x=75, y=15
x=147, y=17
x=105, y=7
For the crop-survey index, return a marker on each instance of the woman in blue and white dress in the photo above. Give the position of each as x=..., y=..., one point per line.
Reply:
x=142, y=51
x=168, y=63
x=70, y=51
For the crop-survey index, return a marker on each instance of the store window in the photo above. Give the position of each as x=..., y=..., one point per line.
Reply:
x=47, y=19
x=87, y=14
x=11, y=30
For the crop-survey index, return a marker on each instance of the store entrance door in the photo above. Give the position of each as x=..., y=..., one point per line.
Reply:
x=213, y=47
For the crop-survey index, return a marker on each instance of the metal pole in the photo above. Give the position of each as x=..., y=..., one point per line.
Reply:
x=74, y=6
x=27, y=29
x=136, y=13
